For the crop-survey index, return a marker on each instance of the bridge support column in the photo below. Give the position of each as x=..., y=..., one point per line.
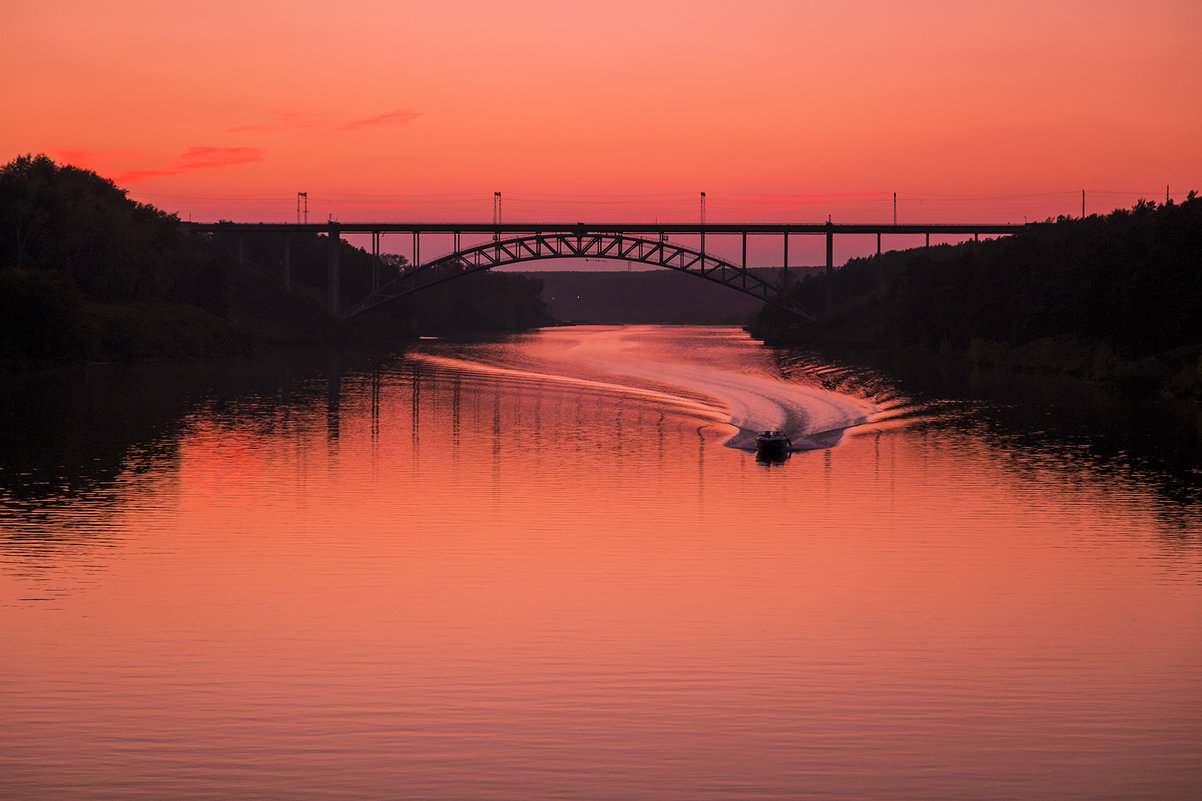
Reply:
x=287, y=262
x=333, y=270
x=785, y=272
x=743, y=263
x=830, y=265
x=375, y=261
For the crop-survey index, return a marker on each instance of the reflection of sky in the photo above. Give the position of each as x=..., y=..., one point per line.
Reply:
x=527, y=587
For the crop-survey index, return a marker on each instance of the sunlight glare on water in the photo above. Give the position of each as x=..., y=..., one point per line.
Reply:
x=552, y=567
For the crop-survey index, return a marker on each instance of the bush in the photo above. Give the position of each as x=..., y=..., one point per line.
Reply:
x=41, y=316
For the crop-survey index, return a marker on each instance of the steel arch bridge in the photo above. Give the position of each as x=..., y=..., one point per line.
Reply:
x=578, y=244
x=513, y=243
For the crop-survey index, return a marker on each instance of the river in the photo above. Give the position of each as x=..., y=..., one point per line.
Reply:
x=553, y=567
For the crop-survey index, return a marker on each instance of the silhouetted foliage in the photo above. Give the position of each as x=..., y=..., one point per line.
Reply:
x=1115, y=297
x=41, y=316
x=88, y=273
x=1131, y=281
x=473, y=304
x=308, y=259
x=75, y=222
x=85, y=272
x=484, y=301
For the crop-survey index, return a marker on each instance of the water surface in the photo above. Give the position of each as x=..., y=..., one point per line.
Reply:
x=552, y=567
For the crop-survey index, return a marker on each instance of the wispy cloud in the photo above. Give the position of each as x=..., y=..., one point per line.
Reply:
x=291, y=120
x=399, y=117
x=195, y=158
x=204, y=158
x=284, y=120
x=98, y=160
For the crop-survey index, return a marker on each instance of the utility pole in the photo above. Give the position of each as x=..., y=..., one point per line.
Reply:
x=302, y=206
x=1082, y=205
x=703, y=226
x=895, y=208
x=496, y=215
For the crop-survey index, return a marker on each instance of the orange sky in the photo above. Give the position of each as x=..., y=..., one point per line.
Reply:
x=779, y=110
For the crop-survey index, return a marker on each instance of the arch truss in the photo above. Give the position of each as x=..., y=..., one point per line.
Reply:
x=579, y=244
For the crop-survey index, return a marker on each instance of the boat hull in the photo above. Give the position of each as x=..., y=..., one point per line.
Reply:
x=773, y=443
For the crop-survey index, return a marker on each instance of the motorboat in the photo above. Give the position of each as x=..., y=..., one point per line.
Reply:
x=773, y=443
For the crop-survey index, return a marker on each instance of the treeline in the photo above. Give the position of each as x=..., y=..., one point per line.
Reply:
x=88, y=274
x=1115, y=297
x=480, y=303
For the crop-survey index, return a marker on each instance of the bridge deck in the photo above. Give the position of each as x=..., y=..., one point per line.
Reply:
x=615, y=228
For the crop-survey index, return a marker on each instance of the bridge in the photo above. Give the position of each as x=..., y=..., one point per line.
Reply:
x=514, y=243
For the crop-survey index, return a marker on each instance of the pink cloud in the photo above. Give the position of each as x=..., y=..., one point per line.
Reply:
x=98, y=160
x=400, y=117
x=82, y=156
x=196, y=158
x=138, y=176
x=203, y=158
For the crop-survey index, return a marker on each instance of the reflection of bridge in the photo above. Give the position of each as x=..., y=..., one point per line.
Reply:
x=497, y=244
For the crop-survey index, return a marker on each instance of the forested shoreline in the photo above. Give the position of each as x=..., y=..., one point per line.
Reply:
x=86, y=274
x=1115, y=298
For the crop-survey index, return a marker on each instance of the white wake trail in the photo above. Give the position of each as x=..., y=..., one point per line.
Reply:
x=813, y=417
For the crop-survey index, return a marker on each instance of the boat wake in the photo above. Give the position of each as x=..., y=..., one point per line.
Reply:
x=666, y=366
x=811, y=416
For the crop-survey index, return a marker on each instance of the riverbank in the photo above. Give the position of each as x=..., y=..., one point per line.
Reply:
x=88, y=275
x=1115, y=299
x=1176, y=373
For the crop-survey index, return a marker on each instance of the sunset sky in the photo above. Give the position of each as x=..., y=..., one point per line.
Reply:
x=778, y=110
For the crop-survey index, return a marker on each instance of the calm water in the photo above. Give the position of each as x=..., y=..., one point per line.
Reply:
x=544, y=568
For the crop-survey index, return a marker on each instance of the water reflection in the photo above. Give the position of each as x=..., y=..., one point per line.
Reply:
x=501, y=571
x=1041, y=422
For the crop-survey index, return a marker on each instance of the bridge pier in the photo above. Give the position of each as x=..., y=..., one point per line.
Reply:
x=830, y=265
x=333, y=270
x=785, y=273
x=287, y=262
x=375, y=261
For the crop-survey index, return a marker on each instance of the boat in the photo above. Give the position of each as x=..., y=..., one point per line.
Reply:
x=773, y=443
